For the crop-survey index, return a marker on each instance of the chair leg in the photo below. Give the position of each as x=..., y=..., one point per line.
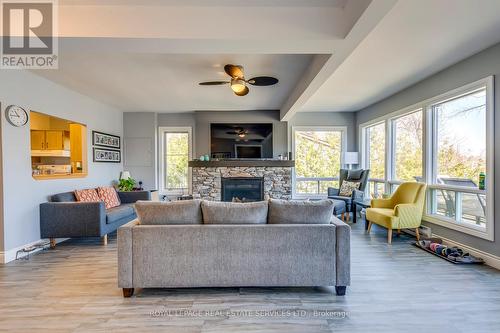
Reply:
x=398, y=232
x=389, y=236
x=417, y=234
x=128, y=292
x=104, y=240
x=348, y=216
x=369, y=226
x=343, y=217
x=52, y=243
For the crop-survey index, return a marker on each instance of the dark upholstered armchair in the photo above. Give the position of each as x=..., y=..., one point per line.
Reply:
x=354, y=176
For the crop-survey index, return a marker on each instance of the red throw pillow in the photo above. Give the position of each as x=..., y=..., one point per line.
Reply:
x=109, y=196
x=88, y=195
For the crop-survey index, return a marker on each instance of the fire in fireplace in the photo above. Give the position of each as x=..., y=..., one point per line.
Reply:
x=242, y=189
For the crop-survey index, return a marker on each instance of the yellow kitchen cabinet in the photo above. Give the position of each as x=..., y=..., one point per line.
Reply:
x=37, y=140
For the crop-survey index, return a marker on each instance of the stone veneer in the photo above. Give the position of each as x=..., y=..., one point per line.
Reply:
x=207, y=181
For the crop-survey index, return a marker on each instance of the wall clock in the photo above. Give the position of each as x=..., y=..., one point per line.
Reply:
x=16, y=115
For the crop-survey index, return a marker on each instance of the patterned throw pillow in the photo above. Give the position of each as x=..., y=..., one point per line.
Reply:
x=109, y=196
x=348, y=187
x=88, y=195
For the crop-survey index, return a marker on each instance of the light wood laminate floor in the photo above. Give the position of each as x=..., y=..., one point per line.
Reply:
x=395, y=288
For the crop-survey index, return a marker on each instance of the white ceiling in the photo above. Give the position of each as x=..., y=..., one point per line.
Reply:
x=149, y=55
x=414, y=40
x=169, y=82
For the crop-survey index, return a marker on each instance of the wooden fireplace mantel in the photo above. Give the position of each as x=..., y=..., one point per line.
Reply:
x=242, y=163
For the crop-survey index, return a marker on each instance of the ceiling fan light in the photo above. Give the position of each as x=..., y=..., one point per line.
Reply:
x=241, y=135
x=238, y=85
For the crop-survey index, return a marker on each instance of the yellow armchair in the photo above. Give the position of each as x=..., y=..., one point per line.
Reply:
x=403, y=210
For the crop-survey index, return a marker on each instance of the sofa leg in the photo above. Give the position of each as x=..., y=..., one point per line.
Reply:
x=128, y=292
x=340, y=290
x=52, y=243
x=104, y=240
x=343, y=217
x=369, y=227
x=417, y=234
x=348, y=216
x=389, y=236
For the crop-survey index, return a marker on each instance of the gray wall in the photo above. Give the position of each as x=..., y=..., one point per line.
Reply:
x=23, y=194
x=140, y=146
x=479, y=66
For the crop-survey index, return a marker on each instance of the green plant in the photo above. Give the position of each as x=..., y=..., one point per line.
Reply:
x=126, y=185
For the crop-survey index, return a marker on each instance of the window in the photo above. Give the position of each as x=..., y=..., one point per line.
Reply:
x=175, y=147
x=375, y=157
x=407, y=132
x=318, y=154
x=460, y=150
x=447, y=142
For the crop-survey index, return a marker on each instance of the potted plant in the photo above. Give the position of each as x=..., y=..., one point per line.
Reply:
x=126, y=184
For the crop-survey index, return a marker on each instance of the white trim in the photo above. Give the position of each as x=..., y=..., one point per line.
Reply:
x=429, y=157
x=161, y=160
x=10, y=255
x=489, y=259
x=343, y=147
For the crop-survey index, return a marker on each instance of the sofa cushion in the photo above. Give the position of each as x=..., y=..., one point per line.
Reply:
x=109, y=196
x=300, y=212
x=175, y=212
x=87, y=195
x=117, y=213
x=234, y=212
x=63, y=197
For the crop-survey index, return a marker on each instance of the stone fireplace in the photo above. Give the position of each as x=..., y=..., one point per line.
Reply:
x=211, y=180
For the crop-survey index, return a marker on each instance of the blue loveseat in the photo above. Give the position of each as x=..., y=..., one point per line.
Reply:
x=65, y=217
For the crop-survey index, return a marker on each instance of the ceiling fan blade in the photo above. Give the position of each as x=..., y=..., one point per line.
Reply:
x=213, y=83
x=234, y=71
x=243, y=93
x=263, y=81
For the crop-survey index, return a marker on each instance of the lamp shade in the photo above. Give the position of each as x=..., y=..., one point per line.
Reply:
x=351, y=157
x=125, y=175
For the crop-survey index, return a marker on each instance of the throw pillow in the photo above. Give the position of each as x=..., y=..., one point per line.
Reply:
x=234, y=212
x=175, y=212
x=109, y=196
x=348, y=187
x=88, y=195
x=300, y=212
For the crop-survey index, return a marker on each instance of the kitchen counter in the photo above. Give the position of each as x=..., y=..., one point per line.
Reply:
x=59, y=176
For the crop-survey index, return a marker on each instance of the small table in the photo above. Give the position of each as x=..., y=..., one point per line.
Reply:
x=364, y=203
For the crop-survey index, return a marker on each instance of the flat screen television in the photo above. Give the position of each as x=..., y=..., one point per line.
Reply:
x=241, y=141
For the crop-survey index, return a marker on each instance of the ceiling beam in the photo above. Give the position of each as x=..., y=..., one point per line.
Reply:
x=323, y=66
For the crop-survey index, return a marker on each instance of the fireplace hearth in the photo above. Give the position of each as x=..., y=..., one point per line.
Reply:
x=242, y=189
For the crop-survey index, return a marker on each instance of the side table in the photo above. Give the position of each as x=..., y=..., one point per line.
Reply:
x=363, y=203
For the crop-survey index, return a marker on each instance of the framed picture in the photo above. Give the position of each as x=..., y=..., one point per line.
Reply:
x=107, y=155
x=105, y=140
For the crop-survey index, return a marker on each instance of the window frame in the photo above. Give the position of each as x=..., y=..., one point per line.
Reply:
x=343, y=145
x=163, y=130
x=429, y=155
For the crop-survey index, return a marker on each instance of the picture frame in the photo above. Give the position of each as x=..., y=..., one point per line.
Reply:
x=106, y=140
x=102, y=155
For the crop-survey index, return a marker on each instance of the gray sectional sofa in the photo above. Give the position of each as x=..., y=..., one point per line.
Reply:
x=214, y=244
x=65, y=217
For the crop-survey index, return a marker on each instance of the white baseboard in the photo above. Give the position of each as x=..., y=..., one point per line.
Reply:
x=489, y=259
x=10, y=255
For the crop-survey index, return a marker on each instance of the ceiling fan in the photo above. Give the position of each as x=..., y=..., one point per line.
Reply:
x=239, y=132
x=238, y=82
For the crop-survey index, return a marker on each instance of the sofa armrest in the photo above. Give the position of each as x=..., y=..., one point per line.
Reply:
x=133, y=196
x=125, y=254
x=410, y=215
x=332, y=191
x=72, y=219
x=343, y=252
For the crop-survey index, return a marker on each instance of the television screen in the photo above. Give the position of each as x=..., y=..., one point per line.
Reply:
x=241, y=140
